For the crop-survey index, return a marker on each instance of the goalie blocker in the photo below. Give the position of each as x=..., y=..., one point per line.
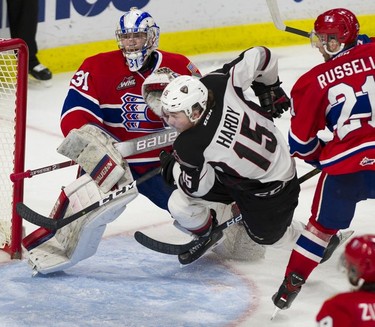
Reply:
x=92, y=148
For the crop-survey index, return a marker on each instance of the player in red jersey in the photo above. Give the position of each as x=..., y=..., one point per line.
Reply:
x=356, y=308
x=338, y=95
x=104, y=105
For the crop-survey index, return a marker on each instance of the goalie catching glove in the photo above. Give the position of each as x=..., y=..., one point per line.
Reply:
x=92, y=148
x=154, y=85
x=272, y=98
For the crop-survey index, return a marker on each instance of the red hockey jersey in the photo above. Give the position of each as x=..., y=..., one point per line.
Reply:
x=105, y=92
x=351, y=309
x=338, y=95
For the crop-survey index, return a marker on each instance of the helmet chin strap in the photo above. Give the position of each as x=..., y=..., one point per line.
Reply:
x=342, y=45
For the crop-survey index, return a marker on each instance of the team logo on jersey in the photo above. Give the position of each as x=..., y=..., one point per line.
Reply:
x=137, y=116
x=367, y=161
x=126, y=83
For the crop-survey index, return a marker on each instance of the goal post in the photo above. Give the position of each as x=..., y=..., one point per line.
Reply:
x=13, y=103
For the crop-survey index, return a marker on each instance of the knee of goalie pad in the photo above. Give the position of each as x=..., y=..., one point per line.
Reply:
x=237, y=244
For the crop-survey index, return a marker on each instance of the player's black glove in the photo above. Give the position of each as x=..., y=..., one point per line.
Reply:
x=167, y=162
x=272, y=98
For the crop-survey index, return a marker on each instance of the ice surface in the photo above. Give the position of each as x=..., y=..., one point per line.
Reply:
x=127, y=285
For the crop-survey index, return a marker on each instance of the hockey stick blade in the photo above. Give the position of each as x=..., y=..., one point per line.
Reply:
x=176, y=249
x=279, y=24
x=53, y=224
x=166, y=248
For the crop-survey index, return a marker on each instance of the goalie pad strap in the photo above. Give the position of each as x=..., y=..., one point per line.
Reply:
x=103, y=169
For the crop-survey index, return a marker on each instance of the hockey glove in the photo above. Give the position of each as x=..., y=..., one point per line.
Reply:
x=167, y=162
x=272, y=98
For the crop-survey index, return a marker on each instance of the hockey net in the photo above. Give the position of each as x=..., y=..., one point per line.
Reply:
x=13, y=99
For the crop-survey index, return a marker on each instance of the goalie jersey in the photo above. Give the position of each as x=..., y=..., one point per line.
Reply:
x=339, y=95
x=106, y=93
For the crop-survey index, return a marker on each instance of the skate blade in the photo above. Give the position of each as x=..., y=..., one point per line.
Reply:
x=275, y=312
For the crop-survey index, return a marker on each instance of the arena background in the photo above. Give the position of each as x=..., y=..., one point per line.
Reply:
x=71, y=30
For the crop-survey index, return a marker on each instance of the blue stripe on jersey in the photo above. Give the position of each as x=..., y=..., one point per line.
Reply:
x=361, y=148
x=310, y=246
x=362, y=107
x=304, y=149
x=363, y=38
x=76, y=99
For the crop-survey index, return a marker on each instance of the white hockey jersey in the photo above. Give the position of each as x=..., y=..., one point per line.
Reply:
x=235, y=141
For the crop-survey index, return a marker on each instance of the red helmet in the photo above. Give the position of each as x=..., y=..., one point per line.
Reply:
x=360, y=259
x=340, y=23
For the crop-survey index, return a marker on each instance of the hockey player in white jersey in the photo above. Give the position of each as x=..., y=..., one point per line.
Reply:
x=229, y=150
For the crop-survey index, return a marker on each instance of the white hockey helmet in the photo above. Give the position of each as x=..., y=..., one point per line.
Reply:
x=137, y=35
x=154, y=85
x=185, y=93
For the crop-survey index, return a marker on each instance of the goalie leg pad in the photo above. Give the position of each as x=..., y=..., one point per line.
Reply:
x=237, y=244
x=80, y=239
x=92, y=148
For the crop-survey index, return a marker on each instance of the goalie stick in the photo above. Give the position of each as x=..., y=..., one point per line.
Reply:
x=277, y=21
x=176, y=249
x=127, y=148
x=53, y=224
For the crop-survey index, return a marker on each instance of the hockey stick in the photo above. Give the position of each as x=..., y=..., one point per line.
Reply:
x=30, y=173
x=176, y=249
x=127, y=148
x=53, y=224
x=276, y=17
x=308, y=175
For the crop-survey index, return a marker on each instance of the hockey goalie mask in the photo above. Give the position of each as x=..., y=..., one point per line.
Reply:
x=137, y=35
x=154, y=85
x=360, y=259
x=187, y=94
x=334, y=30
